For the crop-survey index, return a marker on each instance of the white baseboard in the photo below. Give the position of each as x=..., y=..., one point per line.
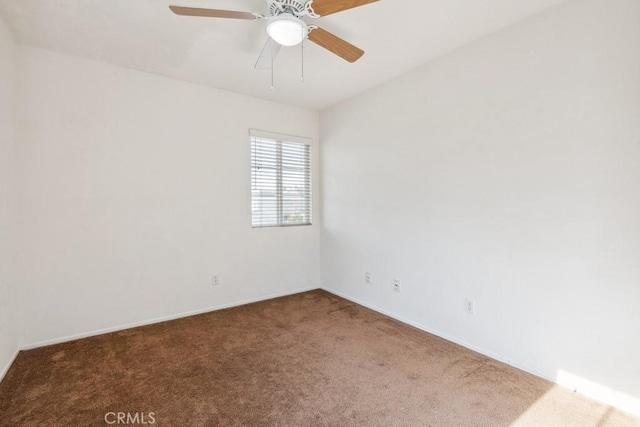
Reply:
x=440, y=334
x=5, y=369
x=623, y=402
x=160, y=319
x=591, y=390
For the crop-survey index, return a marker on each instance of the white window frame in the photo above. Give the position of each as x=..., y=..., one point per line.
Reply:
x=278, y=219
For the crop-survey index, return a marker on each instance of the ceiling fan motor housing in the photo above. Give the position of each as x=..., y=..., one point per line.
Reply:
x=296, y=8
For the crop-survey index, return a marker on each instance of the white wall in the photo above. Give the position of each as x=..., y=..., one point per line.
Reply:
x=136, y=191
x=8, y=199
x=506, y=172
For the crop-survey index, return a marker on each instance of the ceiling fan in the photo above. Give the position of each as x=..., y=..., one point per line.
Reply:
x=286, y=27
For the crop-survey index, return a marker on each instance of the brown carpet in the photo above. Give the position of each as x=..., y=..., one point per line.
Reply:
x=304, y=360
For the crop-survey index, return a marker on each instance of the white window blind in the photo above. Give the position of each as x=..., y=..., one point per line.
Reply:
x=280, y=181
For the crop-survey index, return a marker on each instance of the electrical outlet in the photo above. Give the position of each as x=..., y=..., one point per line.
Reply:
x=469, y=306
x=396, y=285
x=215, y=280
x=367, y=277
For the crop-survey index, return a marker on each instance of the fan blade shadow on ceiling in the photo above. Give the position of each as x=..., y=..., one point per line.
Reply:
x=268, y=55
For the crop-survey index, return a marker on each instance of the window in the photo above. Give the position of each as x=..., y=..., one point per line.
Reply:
x=280, y=180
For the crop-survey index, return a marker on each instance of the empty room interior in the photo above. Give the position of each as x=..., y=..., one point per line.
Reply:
x=320, y=212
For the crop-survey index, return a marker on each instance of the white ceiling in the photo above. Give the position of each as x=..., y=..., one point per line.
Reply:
x=396, y=35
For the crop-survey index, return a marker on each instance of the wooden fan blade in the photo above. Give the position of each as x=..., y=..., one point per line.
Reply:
x=327, y=7
x=335, y=44
x=211, y=13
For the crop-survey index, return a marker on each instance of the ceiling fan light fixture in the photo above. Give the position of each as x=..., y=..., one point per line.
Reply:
x=287, y=30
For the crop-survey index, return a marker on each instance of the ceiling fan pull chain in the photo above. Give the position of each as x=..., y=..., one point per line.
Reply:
x=271, y=48
x=302, y=61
